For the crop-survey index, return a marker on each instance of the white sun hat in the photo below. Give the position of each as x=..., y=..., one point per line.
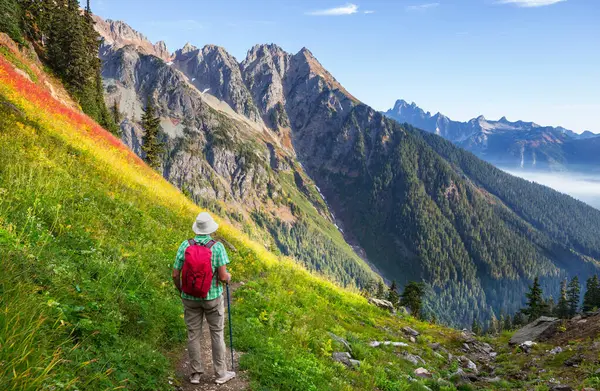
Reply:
x=204, y=224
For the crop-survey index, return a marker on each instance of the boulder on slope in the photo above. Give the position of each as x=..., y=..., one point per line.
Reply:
x=540, y=329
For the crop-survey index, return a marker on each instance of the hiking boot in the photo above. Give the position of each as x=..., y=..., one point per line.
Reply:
x=228, y=376
x=195, y=378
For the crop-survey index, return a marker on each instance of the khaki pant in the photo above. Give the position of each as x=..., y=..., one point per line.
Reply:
x=214, y=311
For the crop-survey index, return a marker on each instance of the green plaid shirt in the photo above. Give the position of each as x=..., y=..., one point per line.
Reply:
x=219, y=258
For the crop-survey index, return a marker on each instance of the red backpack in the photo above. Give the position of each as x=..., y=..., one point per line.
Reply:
x=197, y=272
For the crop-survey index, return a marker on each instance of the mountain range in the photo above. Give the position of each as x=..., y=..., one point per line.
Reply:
x=278, y=145
x=510, y=145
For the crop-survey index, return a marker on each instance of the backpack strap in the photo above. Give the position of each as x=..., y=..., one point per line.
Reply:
x=210, y=243
x=191, y=242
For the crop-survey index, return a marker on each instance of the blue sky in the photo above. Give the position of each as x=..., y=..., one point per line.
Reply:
x=535, y=60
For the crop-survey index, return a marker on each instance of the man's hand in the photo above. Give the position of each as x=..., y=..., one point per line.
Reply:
x=224, y=276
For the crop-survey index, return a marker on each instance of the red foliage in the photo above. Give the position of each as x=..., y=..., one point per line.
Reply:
x=44, y=101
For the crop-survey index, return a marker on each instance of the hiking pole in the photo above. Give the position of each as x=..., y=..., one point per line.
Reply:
x=230, y=333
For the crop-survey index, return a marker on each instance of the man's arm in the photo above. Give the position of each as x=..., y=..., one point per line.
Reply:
x=224, y=276
x=221, y=260
x=178, y=265
x=176, y=279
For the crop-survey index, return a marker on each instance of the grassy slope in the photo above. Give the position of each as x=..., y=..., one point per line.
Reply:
x=87, y=235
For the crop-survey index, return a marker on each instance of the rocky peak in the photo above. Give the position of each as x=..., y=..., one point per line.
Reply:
x=307, y=63
x=213, y=70
x=187, y=48
x=118, y=34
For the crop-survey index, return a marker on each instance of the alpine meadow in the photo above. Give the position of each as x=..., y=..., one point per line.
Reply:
x=364, y=253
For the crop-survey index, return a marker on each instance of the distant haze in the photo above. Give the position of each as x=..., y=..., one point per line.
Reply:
x=584, y=187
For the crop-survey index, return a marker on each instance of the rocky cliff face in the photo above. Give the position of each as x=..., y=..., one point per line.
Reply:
x=117, y=34
x=212, y=70
x=220, y=153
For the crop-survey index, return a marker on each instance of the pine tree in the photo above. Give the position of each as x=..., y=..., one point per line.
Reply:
x=562, y=309
x=116, y=112
x=549, y=307
x=151, y=145
x=412, y=297
x=494, y=325
x=393, y=295
x=476, y=327
x=573, y=296
x=535, y=302
x=518, y=319
x=507, y=323
x=380, y=291
x=591, y=299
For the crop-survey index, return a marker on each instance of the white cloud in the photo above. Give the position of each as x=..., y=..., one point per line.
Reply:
x=347, y=9
x=368, y=12
x=529, y=3
x=421, y=7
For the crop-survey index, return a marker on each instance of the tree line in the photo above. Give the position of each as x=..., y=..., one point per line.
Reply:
x=567, y=306
x=64, y=38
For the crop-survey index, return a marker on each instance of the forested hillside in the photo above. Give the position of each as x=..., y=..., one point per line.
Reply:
x=424, y=209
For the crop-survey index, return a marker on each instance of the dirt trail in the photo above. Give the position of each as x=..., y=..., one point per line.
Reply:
x=207, y=381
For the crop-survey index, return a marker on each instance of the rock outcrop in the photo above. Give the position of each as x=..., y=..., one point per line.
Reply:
x=214, y=71
x=539, y=330
x=117, y=34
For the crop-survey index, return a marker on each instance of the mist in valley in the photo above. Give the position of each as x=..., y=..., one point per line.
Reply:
x=584, y=187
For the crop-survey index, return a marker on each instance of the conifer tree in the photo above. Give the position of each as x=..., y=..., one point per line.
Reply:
x=535, y=302
x=412, y=297
x=591, y=299
x=393, y=295
x=518, y=319
x=380, y=294
x=507, y=323
x=151, y=145
x=573, y=296
x=116, y=112
x=494, y=325
x=476, y=327
x=562, y=309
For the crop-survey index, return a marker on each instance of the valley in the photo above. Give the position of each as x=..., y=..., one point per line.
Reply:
x=273, y=134
x=368, y=251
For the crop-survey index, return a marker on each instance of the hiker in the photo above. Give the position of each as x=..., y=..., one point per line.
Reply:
x=203, y=259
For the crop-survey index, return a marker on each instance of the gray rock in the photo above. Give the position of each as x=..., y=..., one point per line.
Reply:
x=468, y=364
x=539, y=330
x=341, y=340
x=343, y=357
x=561, y=387
x=574, y=361
x=354, y=363
x=527, y=346
x=385, y=304
x=410, y=331
x=496, y=379
x=422, y=372
x=556, y=350
x=413, y=359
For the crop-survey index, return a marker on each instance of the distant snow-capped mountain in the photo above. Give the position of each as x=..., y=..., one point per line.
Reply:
x=519, y=144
